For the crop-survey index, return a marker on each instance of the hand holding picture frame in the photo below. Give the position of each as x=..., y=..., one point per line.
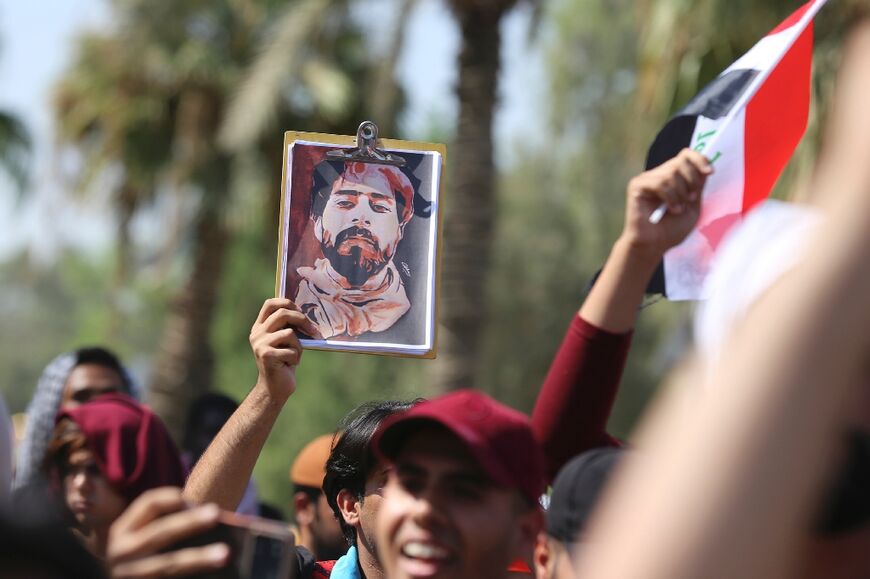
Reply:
x=358, y=244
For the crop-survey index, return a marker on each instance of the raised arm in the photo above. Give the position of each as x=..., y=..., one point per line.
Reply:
x=731, y=491
x=614, y=299
x=222, y=473
x=575, y=401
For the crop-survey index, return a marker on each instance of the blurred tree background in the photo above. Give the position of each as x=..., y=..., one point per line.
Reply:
x=176, y=112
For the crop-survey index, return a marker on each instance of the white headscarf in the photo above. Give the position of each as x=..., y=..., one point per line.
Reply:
x=769, y=242
x=7, y=438
x=41, y=413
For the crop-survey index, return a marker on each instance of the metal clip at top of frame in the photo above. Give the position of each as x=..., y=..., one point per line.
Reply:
x=366, y=150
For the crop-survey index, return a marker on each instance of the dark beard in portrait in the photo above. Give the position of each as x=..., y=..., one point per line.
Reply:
x=355, y=255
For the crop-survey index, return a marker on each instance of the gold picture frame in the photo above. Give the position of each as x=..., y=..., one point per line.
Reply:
x=362, y=265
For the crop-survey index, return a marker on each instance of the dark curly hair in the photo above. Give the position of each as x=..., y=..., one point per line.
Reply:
x=66, y=439
x=107, y=359
x=351, y=460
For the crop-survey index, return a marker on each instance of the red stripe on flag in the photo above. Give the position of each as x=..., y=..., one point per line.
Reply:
x=776, y=118
x=793, y=19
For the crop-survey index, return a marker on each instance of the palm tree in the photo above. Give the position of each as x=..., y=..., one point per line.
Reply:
x=472, y=203
x=146, y=102
x=117, y=124
x=15, y=147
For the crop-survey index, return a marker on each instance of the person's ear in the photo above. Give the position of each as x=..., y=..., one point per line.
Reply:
x=348, y=506
x=542, y=557
x=318, y=228
x=305, y=509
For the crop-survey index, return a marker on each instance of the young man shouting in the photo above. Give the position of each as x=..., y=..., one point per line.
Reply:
x=461, y=498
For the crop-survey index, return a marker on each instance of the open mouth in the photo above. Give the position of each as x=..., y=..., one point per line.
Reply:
x=424, y=559
x=424, y=551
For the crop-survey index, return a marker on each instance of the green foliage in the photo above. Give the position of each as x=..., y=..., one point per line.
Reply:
x=540, y=271
x=562, y=208
x=50, y=309
x=15, y=148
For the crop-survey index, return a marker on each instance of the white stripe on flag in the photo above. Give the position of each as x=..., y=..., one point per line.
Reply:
x=687, y=265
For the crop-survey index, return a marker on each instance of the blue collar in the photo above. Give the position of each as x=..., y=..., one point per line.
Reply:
x=347, y=566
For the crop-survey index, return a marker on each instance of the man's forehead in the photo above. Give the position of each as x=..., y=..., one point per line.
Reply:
x=435, y=447
x=86, y=375
x=374, y=187
x=378, y=470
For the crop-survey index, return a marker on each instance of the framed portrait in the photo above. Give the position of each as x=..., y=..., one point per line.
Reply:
x=358, y=244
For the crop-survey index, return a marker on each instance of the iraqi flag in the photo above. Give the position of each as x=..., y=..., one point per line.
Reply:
x=748, y=122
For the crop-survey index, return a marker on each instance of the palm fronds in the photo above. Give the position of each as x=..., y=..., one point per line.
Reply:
x=15, y=150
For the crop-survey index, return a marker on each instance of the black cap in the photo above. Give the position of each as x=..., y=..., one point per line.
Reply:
x=576, y=491
x=846, y=505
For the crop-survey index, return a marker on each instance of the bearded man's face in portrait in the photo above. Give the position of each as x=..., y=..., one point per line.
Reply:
x=359, y=229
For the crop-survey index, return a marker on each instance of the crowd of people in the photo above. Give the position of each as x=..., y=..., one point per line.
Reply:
x=752, y=464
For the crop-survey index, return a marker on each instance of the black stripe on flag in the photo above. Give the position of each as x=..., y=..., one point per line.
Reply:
x=714, y=101
x=717, y=98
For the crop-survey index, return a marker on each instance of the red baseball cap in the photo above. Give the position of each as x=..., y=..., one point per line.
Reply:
x=499, y=438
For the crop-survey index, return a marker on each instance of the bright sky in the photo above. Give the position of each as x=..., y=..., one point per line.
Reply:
x=35, y=44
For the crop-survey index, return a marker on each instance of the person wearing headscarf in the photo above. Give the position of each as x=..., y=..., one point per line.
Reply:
x=104, y=454
x=6, y=445
x=68, y=380
x=769, y=243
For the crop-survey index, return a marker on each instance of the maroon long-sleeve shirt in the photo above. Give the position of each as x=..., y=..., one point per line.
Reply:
x=575, y=401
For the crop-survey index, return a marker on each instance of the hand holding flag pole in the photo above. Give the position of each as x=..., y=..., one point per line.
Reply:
x=656, y=216
x=677, y=184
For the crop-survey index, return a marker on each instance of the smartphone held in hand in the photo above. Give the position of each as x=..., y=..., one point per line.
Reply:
x=259, y=548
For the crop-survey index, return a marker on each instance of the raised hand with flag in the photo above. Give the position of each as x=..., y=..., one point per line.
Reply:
x=676, y=184
x=747, y=122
